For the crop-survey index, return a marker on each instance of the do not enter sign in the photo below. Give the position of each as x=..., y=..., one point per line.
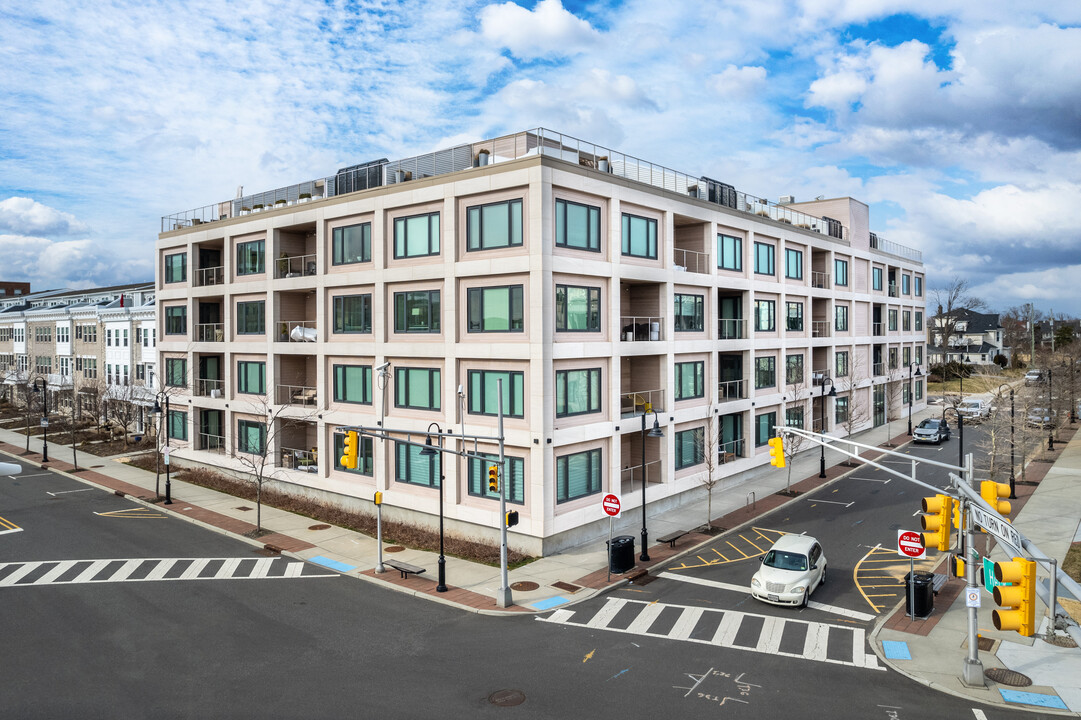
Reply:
x=909, y=544
x=611, y=505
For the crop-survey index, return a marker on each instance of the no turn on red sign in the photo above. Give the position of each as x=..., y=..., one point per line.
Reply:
x=611, y=505
x=909, y=544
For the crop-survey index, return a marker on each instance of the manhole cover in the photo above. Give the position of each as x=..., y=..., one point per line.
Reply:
x=507, y=698
x=393, y=548
x=1007, y=677
x=1061, y=641
x=243, y=508
x=524, y=586
x=319, y=527
x=566, y=586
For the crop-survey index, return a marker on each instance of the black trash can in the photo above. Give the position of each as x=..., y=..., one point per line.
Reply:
x=919, y=592
x=621, y=553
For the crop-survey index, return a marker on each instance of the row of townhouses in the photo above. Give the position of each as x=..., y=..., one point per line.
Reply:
x=604, y=294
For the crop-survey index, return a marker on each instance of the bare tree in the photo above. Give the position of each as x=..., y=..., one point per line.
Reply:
x=858, y=410
x=794, y=442
x=951, y=299
x=708, y=439
x=122, y=406
x=893, y=394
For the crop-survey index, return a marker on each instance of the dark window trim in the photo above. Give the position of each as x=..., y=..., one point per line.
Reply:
x=510, y=308
x=510, y=226
x=483, y=382
x=563, y=380
x=405, y=235
x=594, y=243
x=366, y=382
x=337, y=247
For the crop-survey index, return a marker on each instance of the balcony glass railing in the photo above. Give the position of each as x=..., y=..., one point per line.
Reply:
x=209, y=276
x=211, y=443
x=878, y=368
x=820, y=279
x=691, y=261
x=635, y=403
x=820, y=328
x=210, y=332
x=206, y=387
x=729, y=451
x=297, y=331
x=878, y=328
x=297, y=395
x=638, y=329
x=728, y=390
x=295, y=266
x=731, y=329
x=631, y=477
x=297, y=459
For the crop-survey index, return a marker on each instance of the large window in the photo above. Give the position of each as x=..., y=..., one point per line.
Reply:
x=495, y=225
x=906, y=320
x=919, y=286
x=919, y=389
x=841, y=364
x=793, y=374
x=176, y=372
x=840, y=410
x=365, y=455
x=690, y=380
x=840, y=272
x=484, y=392
x=176, y=320
x=351, y=244
x=906, y=357
x=876, y=278
x=251, y=437
x=763, y=428
x=496, y=309
x=794, y=316
x=906, y=282
x=417, y=388
x=919, y=321
x=578, y=392
x=639, y=236
x=891, y=316
x=690, y=313
x=793, y=417
x=765, y=315
x=353, y=313
x=763, y=258
x=251, y=317
x=251, y=377
x=840, y=318
x=689, y=448
x=176, y=268
x=416, y=236
x=765, y=372
x=578, y=475
x=512, y=477
x=793, y=264
x=250, y=257
x=353, y=384
x=416, y=312
x=412, y=467
x=729, y=253
x=578, y=226
x=177, y=425
x=578, y=309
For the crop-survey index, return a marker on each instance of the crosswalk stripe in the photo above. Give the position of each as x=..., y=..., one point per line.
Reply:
x=262, y=567
x=814, y=646
x=194, y=569
x=159, y=571
x=94, y=568
x=159, y=568
x=726, y=631
x=124, y=571
x=227, y=568
x=606, y=613
x=293, y=570
x=51, y=575
x=19, y=574
x=685, y=624
x=645, y=619
x=770, y=639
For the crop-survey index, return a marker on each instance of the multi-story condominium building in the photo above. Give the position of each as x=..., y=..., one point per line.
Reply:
x=607, y=293
x=973, y=338
x=84, y=346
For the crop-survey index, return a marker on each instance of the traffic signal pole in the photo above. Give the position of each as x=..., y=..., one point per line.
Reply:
x=503, y=595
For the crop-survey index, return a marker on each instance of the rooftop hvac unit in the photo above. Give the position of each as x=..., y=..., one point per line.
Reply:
x=719, y=192
x=787, y=200
x=833, y=227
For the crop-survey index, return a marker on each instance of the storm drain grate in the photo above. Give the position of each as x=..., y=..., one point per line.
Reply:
x=524, y=586
x=319, y=527
x=985, y=644
x=644, y=579
x=507, y=698
x=393, y=548
x=243, y=508
x=1007, y=677
x=566, y=586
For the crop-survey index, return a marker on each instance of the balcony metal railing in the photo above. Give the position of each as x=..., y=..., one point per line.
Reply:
x=820, y=279
x=631, y=477
x=638, y=329
x=303, y=460
x=818, y=376
x=893, y=290
x=731, y=329
x=205, y=387
x=728, y=390
x=210, y=332
x=883, y=245
x=692, y=261
x=878, y=368
x=297, y=331
x=878, y=328
x=296, y=266
x=209, y=276
x=297, y=395
x=820, y=328
x=635, y=403
x=211, y=443
x=731, y=450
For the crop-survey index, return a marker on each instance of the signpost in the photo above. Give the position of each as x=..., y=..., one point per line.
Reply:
x=910, y=545
x=999, y=527
x=612, y=507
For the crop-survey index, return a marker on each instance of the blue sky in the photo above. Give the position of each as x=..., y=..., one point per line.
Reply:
x=958, y=122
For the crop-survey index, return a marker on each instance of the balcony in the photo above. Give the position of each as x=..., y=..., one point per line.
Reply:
x=893, y=290
x=297, y=395
x=208, y=387
x=820, y=280
x=295, y=266
x=634, y=328
x=298, y=459
x=209, y=276
x=210, y=332
x=691, y=261
x=878, y=328
x=641, y=401
x=297, y=331
x=211, y=443
x=728, y=390
x=879, y=368
x=820, y=328
x=731, y=329
x=631, y=477
x=818, y=376
x=732, y=450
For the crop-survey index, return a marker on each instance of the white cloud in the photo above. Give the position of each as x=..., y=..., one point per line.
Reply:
x=739, y=82
x=547, y=30
x=23, y=215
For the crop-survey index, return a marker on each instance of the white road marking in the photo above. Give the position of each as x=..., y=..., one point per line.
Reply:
x=606, y=613
x=641, y=624
x=978, y=714
x=831, y=502
x=161, y=567
x=56, y=572
x=854, y=614
x=877, y=480
x=685, y=624
x=65, y=492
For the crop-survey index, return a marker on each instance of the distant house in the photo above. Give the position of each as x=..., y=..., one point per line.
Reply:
x=976, y=338
x=1045, y=330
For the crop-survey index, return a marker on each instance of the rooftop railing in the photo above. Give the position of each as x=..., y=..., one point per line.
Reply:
x=883, y=245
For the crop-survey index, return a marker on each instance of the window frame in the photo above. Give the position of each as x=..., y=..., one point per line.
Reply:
x=172, y=267
x=515, y=393
x=840, y=272
x=477, y=477
x=511, y=204
x=563, y=315
x=593, y=382
x=242, y=377
x=365, y=454
x=593, y=235
x=481, y=292
x=760, y=372
x=338, y=246
x=652, y=241
x=772, y=315
x=841, y=362
x=434, y=229
x=338, y=314
x=174, y=315
x=698, y=316
x=737, y=252
x=697, y=370
x=788, y=369
x=789, y=304
x=243, y=437
x=764, y=422
x=435, y=386
x=594, y=481
x=177, y=420
x=789, y=254
x=241, y=320
x=255, y=259
x=767, y=253
x=840, y=318
x=401, y=325
x=435, y=466
x=171, y=365
x=696, y=447
x=340, y=388
x=876, y=278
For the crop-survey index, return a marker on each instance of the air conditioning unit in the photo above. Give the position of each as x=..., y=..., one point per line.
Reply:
x=787, y=199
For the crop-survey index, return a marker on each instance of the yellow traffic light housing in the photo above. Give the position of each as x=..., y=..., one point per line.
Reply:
x=1018, y=599
x=512, y=518
x=776, y=452
x=350, y=450
x=957, y=566
x=937, y=522
x=991, y=492
x=493, y=478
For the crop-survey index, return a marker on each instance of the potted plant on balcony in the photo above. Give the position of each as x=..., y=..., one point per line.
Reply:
x=280, y=203
x=482, y=157
x=257, y=207
x=305, y=197
x=245, y=210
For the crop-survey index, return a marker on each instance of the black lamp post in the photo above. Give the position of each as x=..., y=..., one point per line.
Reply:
x=960, y=417
x=44, y=390
x=1013, y=494
x=910, y=393
x=164, y=421
x=1050, y=414
x=1073, y=401
x=822, y=419
x=657, y=433
x=428, y=451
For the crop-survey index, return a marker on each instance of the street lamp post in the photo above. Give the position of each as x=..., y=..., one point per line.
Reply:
x=1013, y=494
x=1050, y=414
x=44, y=390
x=960, y=417
x=822, y=420
x=910, y=388
x=163, y=420
x=428, y=451
x=657, y=433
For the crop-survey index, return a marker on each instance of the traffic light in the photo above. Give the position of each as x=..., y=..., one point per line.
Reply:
x=1017, y=600
x=937, y=521
x=776, y=452
x=493, y=478
x=957, y=566
x=991, y=491
x=350, y=449
x=512, y=518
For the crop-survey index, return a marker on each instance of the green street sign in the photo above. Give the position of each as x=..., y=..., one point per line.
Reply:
x=989, y=582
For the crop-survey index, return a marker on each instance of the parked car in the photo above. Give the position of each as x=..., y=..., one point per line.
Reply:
x=974, y=410
x=1040, y=417
x=1034, y=377
x=791, y=570
x=931, y=430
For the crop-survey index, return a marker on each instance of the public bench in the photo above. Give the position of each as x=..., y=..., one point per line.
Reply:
x=938, y=582
x=671, y=537
x=404, y=568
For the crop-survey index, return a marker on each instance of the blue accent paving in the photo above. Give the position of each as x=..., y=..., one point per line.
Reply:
x=332, y=564
x=1028, y=698
x=549, y=603
x=896, y=650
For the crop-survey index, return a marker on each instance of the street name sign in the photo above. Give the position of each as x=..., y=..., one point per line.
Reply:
x=999, y=527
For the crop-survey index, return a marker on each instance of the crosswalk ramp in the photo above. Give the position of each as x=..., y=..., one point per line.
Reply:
x=74, y=572
x=788, y=637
